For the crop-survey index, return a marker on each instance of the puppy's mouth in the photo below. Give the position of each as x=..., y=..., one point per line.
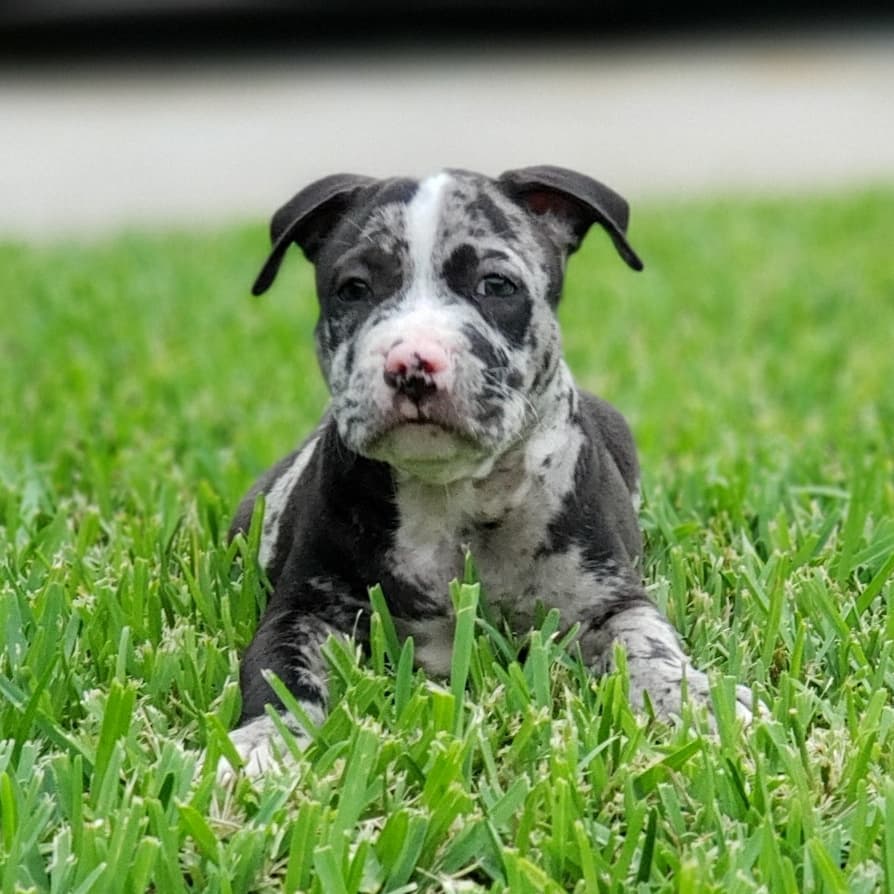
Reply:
x=430, y=447
x=437, y=413
x=423, y=435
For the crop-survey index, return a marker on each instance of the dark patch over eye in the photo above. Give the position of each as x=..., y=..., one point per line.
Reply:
x=460, y=269
x=360, y=278
x=494, y=285
x=467, y=274
x=354, y=289
x=503, y=302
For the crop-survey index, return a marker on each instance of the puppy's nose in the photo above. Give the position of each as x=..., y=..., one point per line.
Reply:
x=413, y=367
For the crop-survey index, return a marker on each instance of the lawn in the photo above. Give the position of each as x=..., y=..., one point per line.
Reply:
x=142, y=390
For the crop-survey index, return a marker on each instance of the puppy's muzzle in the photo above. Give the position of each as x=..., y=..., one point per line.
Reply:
x=417, y=369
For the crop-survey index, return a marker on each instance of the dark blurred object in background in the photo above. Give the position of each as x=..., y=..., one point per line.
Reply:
x=116, y=30
x=132, y=113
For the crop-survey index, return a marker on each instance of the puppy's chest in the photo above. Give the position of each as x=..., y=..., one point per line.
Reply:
x=508, y=538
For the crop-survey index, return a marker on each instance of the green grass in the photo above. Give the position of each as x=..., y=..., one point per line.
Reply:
x=141, y=392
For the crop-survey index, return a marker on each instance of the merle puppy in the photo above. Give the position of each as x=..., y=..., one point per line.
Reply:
x=454, y=423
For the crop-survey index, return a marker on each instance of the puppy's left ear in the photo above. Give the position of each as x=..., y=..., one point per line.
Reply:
x=306, y=219
x=571, y=203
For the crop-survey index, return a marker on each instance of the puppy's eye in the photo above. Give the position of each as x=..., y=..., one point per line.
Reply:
x=354, y=289
x=495, y=286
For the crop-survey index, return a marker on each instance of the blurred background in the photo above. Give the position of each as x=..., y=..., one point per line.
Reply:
x=118, y=113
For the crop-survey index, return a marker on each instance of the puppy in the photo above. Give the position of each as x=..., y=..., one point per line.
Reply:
x=454, y=423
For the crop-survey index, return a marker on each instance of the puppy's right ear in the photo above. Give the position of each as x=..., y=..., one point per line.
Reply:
x=306, y=219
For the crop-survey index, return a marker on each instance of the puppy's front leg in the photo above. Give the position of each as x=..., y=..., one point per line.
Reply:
x=656, y=661
x=288, y=644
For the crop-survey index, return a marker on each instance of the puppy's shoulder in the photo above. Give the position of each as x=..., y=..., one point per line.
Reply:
x=278, y=482
x=606, y=426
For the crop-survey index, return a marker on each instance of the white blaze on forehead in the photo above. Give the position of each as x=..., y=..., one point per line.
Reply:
x=423, y=214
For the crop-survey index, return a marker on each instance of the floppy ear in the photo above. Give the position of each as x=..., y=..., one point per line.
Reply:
x=574, y=202
x=306, y=219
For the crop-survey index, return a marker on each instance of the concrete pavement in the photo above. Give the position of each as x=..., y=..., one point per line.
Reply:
x=86, y=152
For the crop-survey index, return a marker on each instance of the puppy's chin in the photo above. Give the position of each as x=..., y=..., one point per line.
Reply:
x=431, y=452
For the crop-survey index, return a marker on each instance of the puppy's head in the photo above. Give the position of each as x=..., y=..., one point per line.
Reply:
x=437, y=332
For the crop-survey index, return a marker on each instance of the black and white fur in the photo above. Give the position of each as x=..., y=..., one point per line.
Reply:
x=454, y=423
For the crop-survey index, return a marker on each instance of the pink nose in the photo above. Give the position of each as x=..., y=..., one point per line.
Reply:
x=415, y=356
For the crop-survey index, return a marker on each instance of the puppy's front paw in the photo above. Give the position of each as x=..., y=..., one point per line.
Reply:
x=261, y=749
x=665, y=681
x=661, y=682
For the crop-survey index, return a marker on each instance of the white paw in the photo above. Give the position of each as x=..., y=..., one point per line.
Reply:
x=664, y=683
x=261, y=749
